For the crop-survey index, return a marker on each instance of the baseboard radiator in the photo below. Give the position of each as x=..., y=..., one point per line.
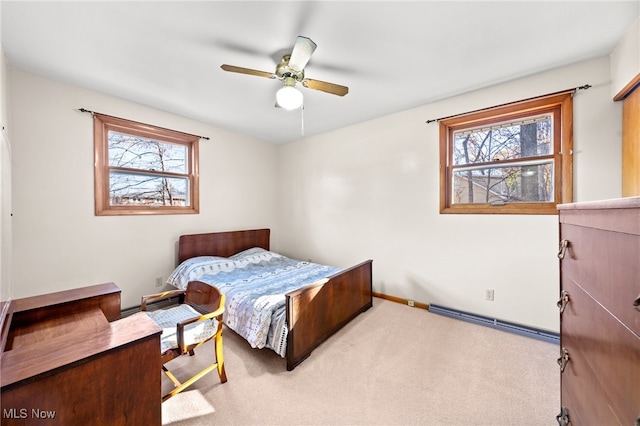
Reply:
x=495, y=323
x=150, y=307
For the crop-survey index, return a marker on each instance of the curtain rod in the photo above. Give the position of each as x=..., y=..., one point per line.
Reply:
x=584, y=87
x=93, y=112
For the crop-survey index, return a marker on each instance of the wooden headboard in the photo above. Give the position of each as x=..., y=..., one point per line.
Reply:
x=222, y=244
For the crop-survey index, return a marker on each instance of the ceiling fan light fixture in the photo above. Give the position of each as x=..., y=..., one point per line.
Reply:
x=288, y=97
x=290, y=70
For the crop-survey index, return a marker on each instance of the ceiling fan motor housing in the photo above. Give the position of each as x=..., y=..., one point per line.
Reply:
x=283, y=71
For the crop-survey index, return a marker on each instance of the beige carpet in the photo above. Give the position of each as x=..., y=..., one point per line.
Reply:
x=392, y=365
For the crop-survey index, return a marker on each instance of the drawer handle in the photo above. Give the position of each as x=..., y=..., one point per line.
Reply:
x=564, y=301
x=563, y=360
x=563, y=248
x=636, y=304
x=563, y=417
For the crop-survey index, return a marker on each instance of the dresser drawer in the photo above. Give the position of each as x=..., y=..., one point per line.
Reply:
x=606, y=265
x=600, y=382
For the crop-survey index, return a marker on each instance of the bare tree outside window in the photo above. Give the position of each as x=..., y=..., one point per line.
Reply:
x=505, y=163
x=129, y=154
x=144, y=170
x=514, y=159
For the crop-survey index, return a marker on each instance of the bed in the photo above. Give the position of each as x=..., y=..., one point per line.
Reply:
x=300, y=316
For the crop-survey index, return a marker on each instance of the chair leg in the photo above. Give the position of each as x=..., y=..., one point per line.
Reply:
x=220, y=359
x=170, y=375
x=188, y=382
x=219, y=365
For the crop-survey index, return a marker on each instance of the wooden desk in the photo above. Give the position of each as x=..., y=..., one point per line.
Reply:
x=67, y=358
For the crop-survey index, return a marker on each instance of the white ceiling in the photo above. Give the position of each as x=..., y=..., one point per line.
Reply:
x=392, y=55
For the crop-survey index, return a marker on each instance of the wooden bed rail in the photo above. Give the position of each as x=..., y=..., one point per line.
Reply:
x=317, y=311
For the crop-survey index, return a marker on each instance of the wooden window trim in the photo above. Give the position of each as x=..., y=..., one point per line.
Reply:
x=561, y=105
x=102, y=125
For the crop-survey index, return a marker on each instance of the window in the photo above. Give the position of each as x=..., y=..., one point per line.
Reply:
x=143, y=169
x=513, y=159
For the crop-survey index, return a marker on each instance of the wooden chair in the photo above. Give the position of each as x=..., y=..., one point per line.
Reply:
x=194, y=321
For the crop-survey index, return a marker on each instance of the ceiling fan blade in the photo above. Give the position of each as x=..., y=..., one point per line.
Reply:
x=233, y=68
x=302, y=51
x=334, y=89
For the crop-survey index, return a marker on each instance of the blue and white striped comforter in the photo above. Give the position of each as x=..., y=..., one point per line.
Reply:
x=255, y=282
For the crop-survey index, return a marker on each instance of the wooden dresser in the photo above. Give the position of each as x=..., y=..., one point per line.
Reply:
x=600, y=316
x=67, y=359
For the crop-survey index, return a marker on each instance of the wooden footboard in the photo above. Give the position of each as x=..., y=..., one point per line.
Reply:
x=317, y=311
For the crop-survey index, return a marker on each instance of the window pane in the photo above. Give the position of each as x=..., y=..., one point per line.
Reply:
x=132, y=189
x=136, y=152
x=505, y=141
x=509, y=184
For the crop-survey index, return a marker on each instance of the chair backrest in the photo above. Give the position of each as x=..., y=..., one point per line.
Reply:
x=203, y=297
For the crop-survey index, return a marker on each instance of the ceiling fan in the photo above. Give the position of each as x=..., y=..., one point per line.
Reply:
x=290, y=70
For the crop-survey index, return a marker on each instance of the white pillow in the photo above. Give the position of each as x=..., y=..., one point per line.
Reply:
x=254, y=255
x=248, y=252
x=194, y=268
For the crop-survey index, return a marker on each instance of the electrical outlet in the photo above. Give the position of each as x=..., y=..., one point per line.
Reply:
x=488, y=295
x=410, y=303
x=159, y=282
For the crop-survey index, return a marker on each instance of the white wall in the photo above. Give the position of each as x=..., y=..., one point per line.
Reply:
x=58, y=242
x=6, y=283
x=372, y=191
x=625, y=59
